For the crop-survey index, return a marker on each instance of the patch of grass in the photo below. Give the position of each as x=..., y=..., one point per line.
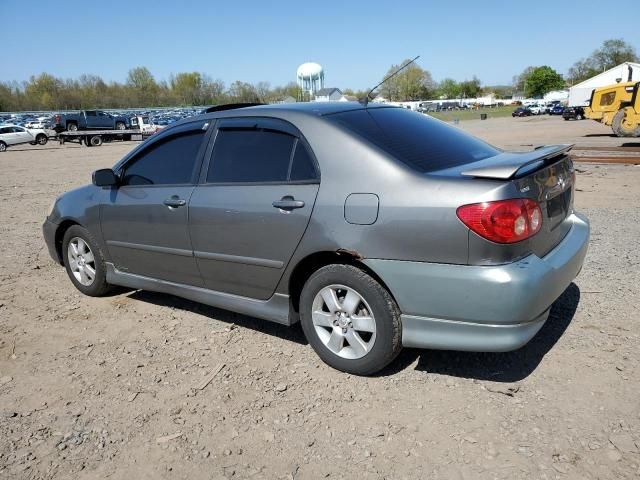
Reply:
x=472, y=114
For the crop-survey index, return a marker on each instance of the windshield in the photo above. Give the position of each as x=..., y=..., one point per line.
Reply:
x=419, y=141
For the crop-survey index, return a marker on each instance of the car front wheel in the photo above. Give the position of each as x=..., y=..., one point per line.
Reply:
x=84, y=262
x=350, y=320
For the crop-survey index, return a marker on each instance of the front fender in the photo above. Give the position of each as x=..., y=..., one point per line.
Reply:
x=81, y=206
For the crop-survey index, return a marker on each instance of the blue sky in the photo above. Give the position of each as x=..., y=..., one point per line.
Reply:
x=253, y=41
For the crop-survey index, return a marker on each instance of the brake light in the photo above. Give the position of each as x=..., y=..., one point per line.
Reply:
x=503, y=221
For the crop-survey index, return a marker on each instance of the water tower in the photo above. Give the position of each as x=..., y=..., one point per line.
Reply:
x=310, y=78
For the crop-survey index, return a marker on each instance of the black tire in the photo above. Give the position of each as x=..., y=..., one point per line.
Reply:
x=72, y=127
x=120, y=126
x=95, y=141
x=42, y=139
x=565, y=118
x=99, y=287
x=388, y=340
x=620, y=129
x=3, y=146
x=87, y=141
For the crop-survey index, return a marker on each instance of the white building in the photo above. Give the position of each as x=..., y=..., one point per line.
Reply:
x=580, y=93
x=556, y=95
x=328, y=95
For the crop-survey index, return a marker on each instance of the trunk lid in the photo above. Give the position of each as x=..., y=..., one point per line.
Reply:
x=545, y=175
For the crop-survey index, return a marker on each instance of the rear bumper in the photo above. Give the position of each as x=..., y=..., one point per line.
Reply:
x=482, y=308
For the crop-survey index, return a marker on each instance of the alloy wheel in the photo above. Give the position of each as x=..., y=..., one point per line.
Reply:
x=81, y=261
x=343, y=321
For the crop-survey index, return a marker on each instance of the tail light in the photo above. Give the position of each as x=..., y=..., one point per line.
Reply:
x=503, y=221
x=58, y=118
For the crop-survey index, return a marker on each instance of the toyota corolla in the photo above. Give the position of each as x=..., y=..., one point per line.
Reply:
x=373, y=226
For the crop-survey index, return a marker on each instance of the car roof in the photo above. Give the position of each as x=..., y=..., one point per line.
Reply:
x=311, y=108
x=285, y=111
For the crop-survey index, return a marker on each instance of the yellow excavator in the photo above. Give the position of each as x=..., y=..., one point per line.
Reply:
x=618, y=106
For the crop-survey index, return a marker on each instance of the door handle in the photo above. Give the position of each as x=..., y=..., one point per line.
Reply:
x=175, y=202
x=288, y=203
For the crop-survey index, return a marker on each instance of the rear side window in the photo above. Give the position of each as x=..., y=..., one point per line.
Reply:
x=421, y=142
x=302, y=167
x=167, y=162
x=250, y=156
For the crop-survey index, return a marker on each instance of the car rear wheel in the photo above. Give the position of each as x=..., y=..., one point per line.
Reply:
x=350, y=320
x=72, y=127
x=42, y=139
x=120, y=126
x=3, y=146
x=84, y=262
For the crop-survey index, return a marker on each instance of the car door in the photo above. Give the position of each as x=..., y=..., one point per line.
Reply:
x=145, y=219
x=252, y=205
x=7, y=135
x=103, y=120
x=22, y=135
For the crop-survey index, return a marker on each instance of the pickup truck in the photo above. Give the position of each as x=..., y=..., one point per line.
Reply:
x=88, y=120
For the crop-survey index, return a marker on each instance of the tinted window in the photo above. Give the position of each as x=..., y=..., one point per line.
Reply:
x=242, y=155
x=421, y=142
x=89, y=113
x=6, y=130
x=302, y=167
x=169, y=161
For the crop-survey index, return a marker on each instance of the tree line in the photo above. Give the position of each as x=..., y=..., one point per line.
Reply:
x=141, y=89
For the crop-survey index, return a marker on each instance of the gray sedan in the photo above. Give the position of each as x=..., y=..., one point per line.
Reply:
x=373, y=226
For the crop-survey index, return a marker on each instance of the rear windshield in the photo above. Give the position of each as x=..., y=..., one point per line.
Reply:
x=419, y=141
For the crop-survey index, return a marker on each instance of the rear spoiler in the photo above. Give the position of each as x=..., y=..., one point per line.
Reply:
x=509, y=165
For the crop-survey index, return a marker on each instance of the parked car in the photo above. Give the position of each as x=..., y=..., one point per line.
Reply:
x=16, y=135
x=550, y=105
x=556, y=110
x=575, y=113
x=536, y=109
x=521, y=112
x=445, y=243
x=39, y=123
x=88, y=120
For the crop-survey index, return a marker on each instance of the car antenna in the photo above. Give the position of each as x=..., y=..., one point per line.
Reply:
x=365, y=100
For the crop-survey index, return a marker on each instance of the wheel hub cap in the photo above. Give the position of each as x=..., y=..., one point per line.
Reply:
x=343, y=321
x=81, y=261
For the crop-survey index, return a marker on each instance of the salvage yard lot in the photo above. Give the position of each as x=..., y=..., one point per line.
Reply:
x=143, y=385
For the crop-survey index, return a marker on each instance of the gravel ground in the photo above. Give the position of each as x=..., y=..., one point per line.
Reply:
x=117, y=387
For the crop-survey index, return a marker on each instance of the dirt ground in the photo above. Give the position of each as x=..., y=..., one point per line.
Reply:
x=110, y=387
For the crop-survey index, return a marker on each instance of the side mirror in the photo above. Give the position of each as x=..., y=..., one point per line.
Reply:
x=104, y=178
